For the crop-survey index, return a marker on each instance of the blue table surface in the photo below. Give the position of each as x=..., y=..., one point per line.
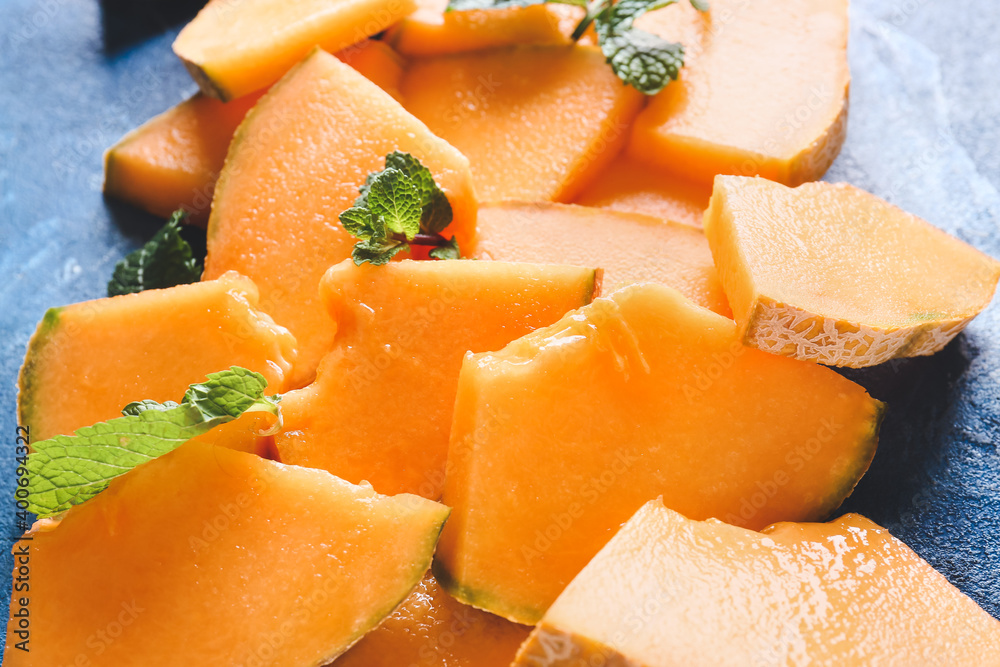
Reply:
x=924, y=130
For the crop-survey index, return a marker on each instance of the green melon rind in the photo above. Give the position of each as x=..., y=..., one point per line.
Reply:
x=482, y=600
x=418, y=573
x=26, y=383
x=864, y=455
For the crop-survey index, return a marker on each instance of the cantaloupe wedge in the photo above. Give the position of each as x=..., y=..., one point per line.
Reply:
x=89, y=360
x=631, y=186
x=834, y=274
x=402, y=331
x=629, y=247
x=561, y=436
x=536, y=122
x=763, y=91
x=294, y=165
x=432, y=629
x=234, y=48
x=208, y=556
x=433, y=31
x=171, y=162
x=668, y=591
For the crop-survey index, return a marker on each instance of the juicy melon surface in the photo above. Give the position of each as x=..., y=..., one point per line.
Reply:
x=433, y=31
x=669, y=591
x=89, y=360
x=208, y=556
x=630, y=248
x=294, y=166
x=631, y=186
x=402, y=331
x=172, y=161
x=234, y=48
x=536, y=122
x=763, y=91
x=432, y=629
x=561, y=436
x=834, y=274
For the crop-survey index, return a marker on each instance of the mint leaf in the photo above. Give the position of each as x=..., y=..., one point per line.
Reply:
x=399, y=206
x=700, y=5
x=67, y=470
x=447, y=251
x=166, y=260
x=395, y=199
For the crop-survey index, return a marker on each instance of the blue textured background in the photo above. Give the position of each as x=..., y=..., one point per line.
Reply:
x=924, y=132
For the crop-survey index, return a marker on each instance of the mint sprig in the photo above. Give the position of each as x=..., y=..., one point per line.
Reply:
x=68, y=470
x=641, y=59
x=399, y=206
x=164, y=261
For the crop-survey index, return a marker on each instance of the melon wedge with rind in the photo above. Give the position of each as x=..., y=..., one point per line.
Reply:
x=669, y=591
x=87, y=361
x=207, y=556
x=232, y=48
x=833, y=274
x=561, y=436
x=402, y=332
x=294, y=165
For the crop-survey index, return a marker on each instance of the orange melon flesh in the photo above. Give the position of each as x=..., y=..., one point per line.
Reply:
x=561, y=436
x=171, y=162
x=234, y=48
x=89, y=360
x=433, y=31
x=294, y=165
x=670, y=591
x=402, y=330
x=432, y=629
x=630, y=248
x=763, y=92
x=536, y=122
x=634, y=187
x=834, y=274
x=208, y=556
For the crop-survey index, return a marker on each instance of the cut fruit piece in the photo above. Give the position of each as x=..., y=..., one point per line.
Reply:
x=89, y=360
x=536, y=122
x=432, y=629
x=763, y=92
x=234, y=48
x=668, y=591
x=208, y=556
x=402, y=330
x=631, y=186
x=431, y=30
x=561, y=436
x=629, y=247
x=294, y=166
x=834, y=274
x=171, y=162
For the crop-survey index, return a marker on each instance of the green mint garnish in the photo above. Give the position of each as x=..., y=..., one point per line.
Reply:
x=166, y=260
x=68, y=469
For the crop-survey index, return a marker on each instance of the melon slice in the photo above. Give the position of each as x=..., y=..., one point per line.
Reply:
x=834, y=274
x=668, y=591
x=632, y=186
x=294, y=165
x=560, y=437
x=630, y=248
x=432, y=629
x=433, y=31
x=234, y=48
x=763, y=92
x=89, y=360
x=171, y=162
x=208, y=556
x=402, y=331
x=536, y=122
